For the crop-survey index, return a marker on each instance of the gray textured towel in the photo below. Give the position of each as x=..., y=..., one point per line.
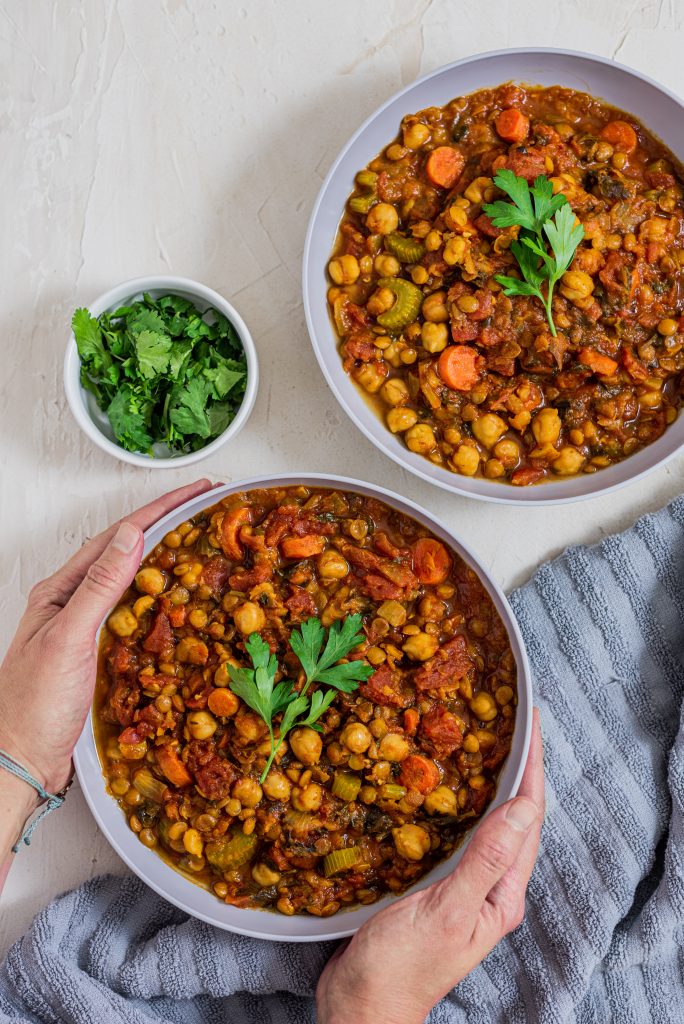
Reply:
x=602, y=938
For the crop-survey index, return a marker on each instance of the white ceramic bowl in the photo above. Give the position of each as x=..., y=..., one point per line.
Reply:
x=659, y=110
x=93, y=421
x=262, y=924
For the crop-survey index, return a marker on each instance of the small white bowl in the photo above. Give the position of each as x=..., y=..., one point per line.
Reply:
x=658, y=109
x=263, y=924
x=93, y=421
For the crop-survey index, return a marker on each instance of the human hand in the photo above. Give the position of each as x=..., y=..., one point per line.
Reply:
x=47, y=677
x=408, y=956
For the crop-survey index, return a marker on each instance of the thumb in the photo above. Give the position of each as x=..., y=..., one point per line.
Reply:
x=106, y=579
x=493, y=849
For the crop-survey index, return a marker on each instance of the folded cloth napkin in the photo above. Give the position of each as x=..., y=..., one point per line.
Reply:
x=602, y=938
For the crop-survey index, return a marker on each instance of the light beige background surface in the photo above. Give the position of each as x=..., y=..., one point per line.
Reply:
x=192, y=137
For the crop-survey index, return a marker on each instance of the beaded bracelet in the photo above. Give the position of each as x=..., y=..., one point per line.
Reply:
x=53, y=799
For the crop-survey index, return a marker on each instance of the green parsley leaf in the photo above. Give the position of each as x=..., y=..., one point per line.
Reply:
x=256, y=686
x=544, y=218
x=321, y=667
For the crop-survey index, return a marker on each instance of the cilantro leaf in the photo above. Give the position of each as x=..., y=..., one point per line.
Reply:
x=520, y=211
x=129, y=421
x=89, y=341
x=225, y=376
x=189, y=415
x=152, y=350
x=170, y=372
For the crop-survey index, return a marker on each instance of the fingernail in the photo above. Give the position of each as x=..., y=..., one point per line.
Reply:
x=126, y=538
x=521, y=814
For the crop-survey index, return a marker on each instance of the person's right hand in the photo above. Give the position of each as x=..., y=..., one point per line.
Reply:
x=408, y=956
x=47, y=677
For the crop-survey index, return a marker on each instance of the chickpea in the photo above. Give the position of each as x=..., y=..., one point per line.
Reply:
x=308, y=799
x=150, y=581
x=277, y=786
x=306, y=745
x=434, y=308
x=419, y=275
x=173, y=539
x=393, y=747
x=476, y=189
x=434, y=337
x=380, y=301
x=142, y=605
x=504, y=695
x=386, y=265
x=420, y=647
x=192, y=651
x=392, y=612
x=201, y=725
x=356, y=737
x=441, y=801
x=265, y=876
x=568, y=462
x=575, y=284
x=471, y=744
x=667, y=327
x=433, y=240
x=489, y=428
x=431, y=608
x=394, y=391
x=193, y=842
x=421, y=438
x=247, y=791
x=455, y=251
x=546, y=426
x=466, y=460
x=507, y=452
x=411, y=841
x=122, y=621
x=344, y=269
x=483, y=706
x=371, y=376
x=398, y=420
x=249, y=618
x=415, y=135
x=332, y=565
x=198, y=618
x=382, y=219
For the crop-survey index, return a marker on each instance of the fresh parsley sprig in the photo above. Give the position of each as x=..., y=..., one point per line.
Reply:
x=307, y=643
x=257, y=687
x=544, y=219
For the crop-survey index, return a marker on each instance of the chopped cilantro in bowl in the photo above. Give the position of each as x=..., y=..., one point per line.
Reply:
x=169, y=377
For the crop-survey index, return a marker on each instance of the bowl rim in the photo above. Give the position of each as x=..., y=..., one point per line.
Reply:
x=126, y=291
x=147, y=864
x=508, y=495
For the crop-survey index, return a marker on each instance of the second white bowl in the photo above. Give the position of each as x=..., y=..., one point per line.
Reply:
x=263, y=924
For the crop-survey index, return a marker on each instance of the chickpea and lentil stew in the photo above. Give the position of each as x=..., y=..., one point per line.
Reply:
x=474, y=379
x=401, y=768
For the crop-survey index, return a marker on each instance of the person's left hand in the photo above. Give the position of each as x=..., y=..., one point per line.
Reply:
x=48, y=675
